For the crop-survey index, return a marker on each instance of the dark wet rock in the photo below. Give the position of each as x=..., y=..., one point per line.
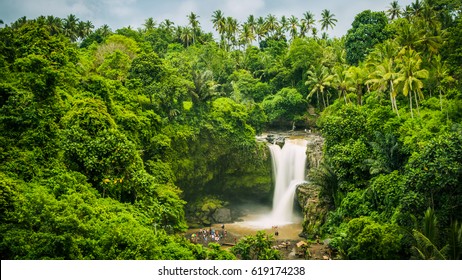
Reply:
x=222, y=215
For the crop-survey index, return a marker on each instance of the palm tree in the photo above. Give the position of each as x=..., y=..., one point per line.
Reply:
x=409, y=35
x=271, y=24
x=231, y=31
x=425, y=247
x=167, y=24
x=416, y=8
x=455, y=241
x=70, y=25
x=358, y=76
x=54, y=24
x=193, y=21
x=105, y=30
x=431, y=42
x=283, y=26
x=293, y=27
x=247, y=36
x=307, y=23
x=205, y=87
x=149, y=24
x=260, y=29
x=410, y=75
x=382, y=79
x=219, y=23
x=327, y=20
x=186, y=35
x=440, y=73
x=319, y=79
x=382, y=63
x=394, y=11
x=342, y=82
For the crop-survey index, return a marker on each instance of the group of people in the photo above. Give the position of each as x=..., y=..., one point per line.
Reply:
x=211, y=235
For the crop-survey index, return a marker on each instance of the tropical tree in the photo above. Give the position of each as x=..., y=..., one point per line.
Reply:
x=219, y=23
x=368, y=29
x=358, y=76
x=55, y=25
x=70, y=25
x=195, y=25
x=319, y=79
x=327, y=20
x=231, y=31
x=425, y=247
x=167, y=24
x=260, y=29
x=410, y=75
x=440, y=75
x=272, y=24
x=247, y=36
x=283, y=26
x=394, y=11
x=416, y=8
x=306, y=23
x=293, y=27
x=149, y=24
x=342, y=82
x=186, y=35
x=382, y=62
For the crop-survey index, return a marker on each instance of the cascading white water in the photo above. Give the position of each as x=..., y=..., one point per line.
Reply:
x=289, y=171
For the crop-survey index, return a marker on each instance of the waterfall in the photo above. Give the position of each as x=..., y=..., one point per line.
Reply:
x=289, y=171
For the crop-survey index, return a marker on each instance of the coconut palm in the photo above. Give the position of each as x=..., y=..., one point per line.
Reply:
x=70, y=25
x=293, y=27
x=186, y=35
x=271, y=24
x=410, y=75
x=260, y=29
x=219, y=23
x=247, y=36
x=105, y=30
x=416, y=8
x=283, y=26
x=167, y=24
x=231, y=30
x=440, y=74
x=149, y=24
x=319, y=79
x=358, y=76
x=394, y=11
x=306, y=23
x=342, y=82
x=54, y=24
x=194, y=23
x=382, y=63
x=327, y=20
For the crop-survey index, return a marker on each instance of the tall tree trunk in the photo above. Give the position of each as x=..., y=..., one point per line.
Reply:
x=410, y=102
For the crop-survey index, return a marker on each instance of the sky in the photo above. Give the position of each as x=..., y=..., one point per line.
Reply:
x=124, y=13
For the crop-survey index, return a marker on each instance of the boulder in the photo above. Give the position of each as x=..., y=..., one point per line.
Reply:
x=222, y=215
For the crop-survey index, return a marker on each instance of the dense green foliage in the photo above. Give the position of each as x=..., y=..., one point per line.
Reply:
x=109, y=138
